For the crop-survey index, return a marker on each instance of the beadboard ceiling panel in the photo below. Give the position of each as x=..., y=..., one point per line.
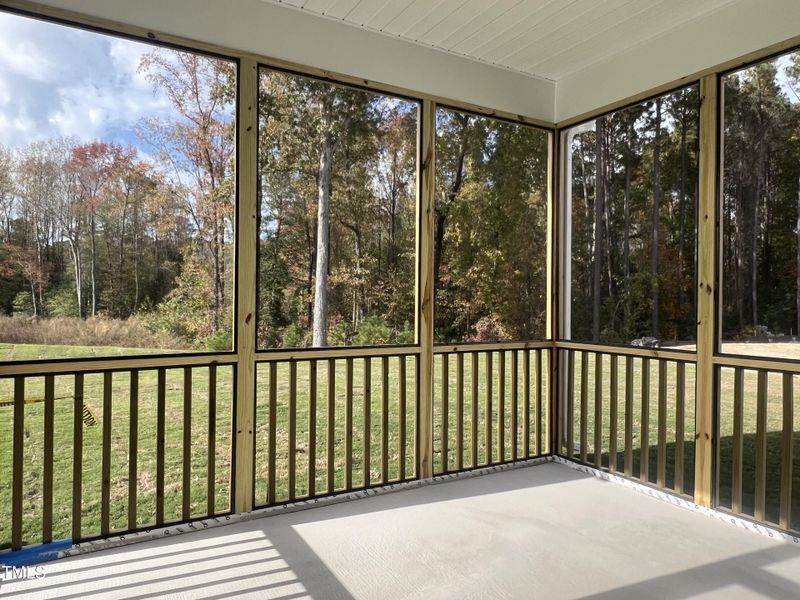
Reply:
x=549, y=39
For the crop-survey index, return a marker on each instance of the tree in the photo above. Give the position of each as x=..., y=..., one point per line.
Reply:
x=6, y=193
x=92, y=165
x=198, y=144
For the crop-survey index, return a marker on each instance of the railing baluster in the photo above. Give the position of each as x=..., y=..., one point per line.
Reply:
x=570, y=408
x=385, y=420
x=445, y=423
x=331, y=436
x=501, y=407
x=761, y=447
x=18, y=457
x=786, y=452
x=540, y=416
x=402, y=408
x=186, y=505
x=661, y=472
x=644, y=436
x=367, y=421
x=133, y=450
x=584, y=404
x=489, y=415
x=526, y=406
x=77, y=458
x=680, y=418
x=105, y=485
x=211, y=491
x=348, y=426
x=598, y=410
x=738, y=437
x=47, y=475
x=474, y=407
x=514, y=403
x=460, y=411
x=292, y=429
x=613, y=412
x=629, y=416
x=273, y=433
x=312, y=428
x=161, y=415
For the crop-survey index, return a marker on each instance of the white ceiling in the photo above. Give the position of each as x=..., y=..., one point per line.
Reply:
x=551, y=60
x=551, y=39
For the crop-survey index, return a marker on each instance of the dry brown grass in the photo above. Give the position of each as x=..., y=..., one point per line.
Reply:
x=94, y=331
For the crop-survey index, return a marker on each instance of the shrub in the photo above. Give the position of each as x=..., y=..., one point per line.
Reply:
x=406, y=335
x=340, y=334
x=61, y=302
x=294, y=336
x=221, y=341
x=373, y=331
x=22, y=304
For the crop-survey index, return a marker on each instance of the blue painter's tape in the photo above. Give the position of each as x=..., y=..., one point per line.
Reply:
x=34, y=554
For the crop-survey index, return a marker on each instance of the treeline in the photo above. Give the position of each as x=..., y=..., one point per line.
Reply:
x=490, y=234
x=95, y=229
x=633, y=219
x=633, y=186
x=761, y=200
x=338, y=214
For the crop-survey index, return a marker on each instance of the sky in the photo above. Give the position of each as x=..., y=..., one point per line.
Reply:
x=61, y=81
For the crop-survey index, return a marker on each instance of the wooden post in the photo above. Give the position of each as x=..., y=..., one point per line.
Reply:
x=245, y=317
x=706, y=256
x=425, y=283
x=552, y=391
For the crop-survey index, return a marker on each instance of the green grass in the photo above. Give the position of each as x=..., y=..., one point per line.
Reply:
x=92, y=448
x=146, y=427
x=774, y=426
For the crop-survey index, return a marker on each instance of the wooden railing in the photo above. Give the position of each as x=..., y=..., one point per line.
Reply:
x=632, y=413
x=490, y=406
x=756, y=472
x=101, y=450
x=328, y=425
x=95, y=452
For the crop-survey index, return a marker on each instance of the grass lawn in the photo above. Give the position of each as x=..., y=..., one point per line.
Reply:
x=146, y=455
x=774, y=430
x=92, y=446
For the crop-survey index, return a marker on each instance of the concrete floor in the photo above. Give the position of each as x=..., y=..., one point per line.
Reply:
x=540, y=532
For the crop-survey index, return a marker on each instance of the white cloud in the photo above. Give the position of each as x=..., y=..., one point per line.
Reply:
x=64, y=81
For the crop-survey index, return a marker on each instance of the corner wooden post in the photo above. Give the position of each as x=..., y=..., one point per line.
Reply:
x=552, y=294
x=245, y=316
x=706, y=282
x=425, y=284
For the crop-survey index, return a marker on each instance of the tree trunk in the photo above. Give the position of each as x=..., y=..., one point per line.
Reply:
x=656, y=221
x=217, y=274
x=626, y=242
x=682, y=207
x=754, y=256
x=740, y=248
x=452, y=194
x=597, y=243
x=608, y=195
x=323, y=235
x=93, y=263
x=33, y=298
x=797, y=265
x=76, y=262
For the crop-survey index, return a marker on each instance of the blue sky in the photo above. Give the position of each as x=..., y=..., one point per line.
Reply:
x=61, y=81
